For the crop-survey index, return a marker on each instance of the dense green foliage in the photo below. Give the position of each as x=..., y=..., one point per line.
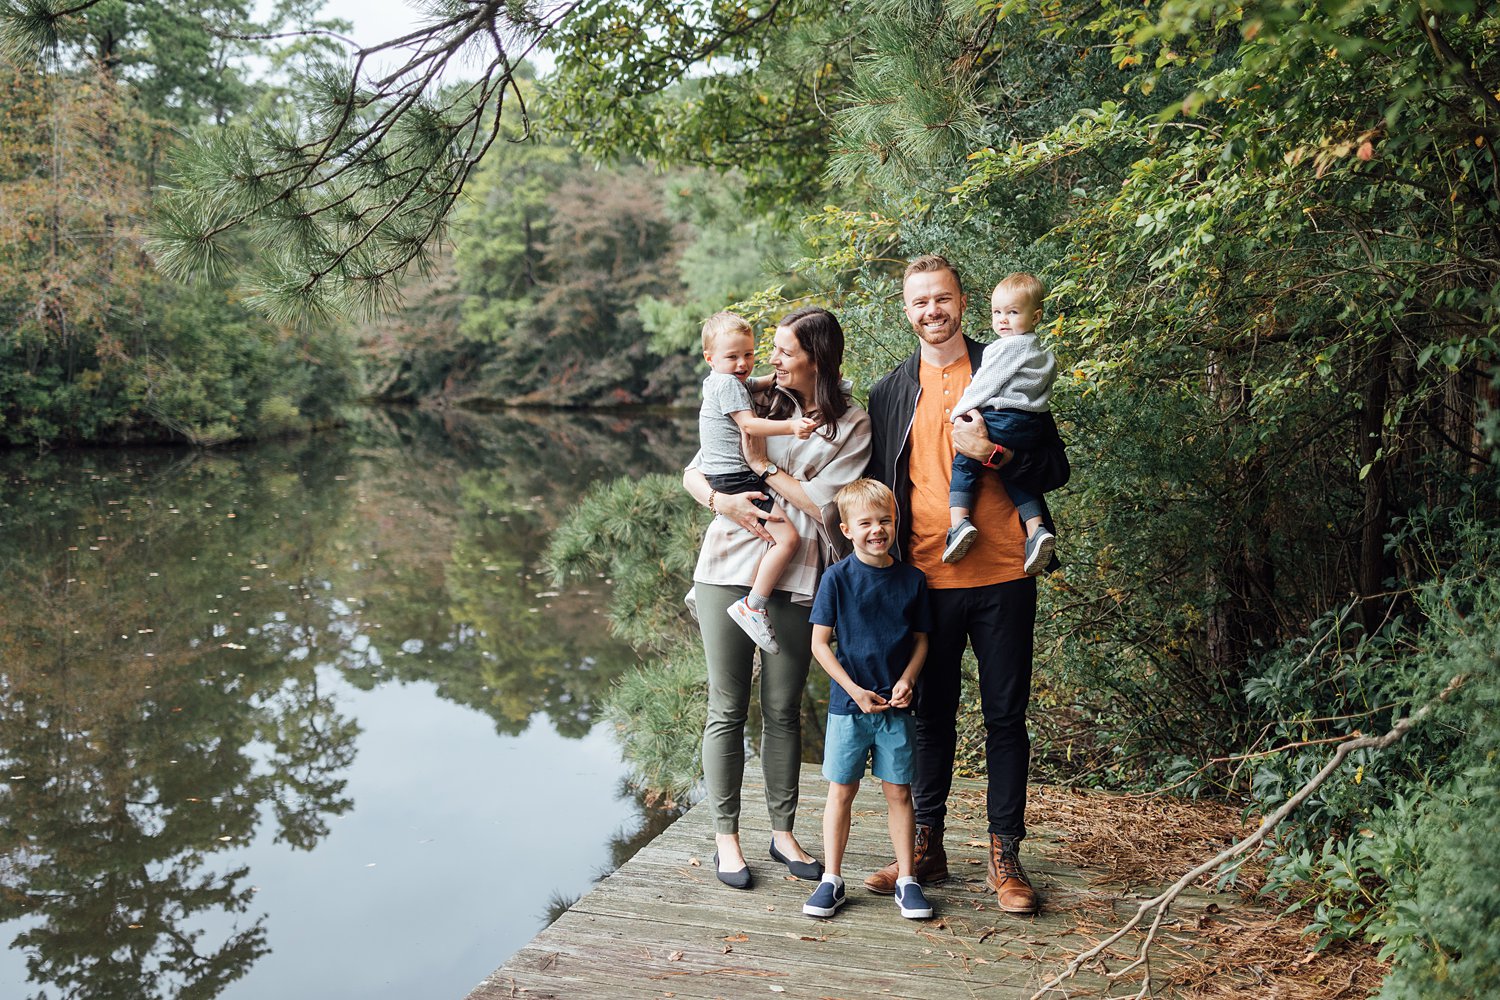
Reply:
x=321, y=200
x=95, y=343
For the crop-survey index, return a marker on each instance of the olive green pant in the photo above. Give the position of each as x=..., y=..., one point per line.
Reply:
x=730, y=654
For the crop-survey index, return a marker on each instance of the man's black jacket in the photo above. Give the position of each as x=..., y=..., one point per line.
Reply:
x=893, y=407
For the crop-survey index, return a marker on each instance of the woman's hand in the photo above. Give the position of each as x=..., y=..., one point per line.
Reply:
x=869, y=701
x=738, y=508
x=972, y=439
x=735, y=506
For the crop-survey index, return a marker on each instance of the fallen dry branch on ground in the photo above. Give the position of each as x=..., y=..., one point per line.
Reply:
x=1236, y=853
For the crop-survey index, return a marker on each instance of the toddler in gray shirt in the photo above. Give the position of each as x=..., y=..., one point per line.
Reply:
x=729, y=349
x=1011, y=388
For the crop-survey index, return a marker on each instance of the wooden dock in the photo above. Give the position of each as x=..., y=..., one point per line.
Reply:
x=662, y=926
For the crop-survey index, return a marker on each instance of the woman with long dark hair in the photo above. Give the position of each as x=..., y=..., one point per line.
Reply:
x=801, y=476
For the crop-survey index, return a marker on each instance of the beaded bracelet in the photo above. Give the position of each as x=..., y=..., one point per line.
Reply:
x=711, y=508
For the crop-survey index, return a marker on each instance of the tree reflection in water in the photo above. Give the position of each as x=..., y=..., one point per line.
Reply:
x=163, y=620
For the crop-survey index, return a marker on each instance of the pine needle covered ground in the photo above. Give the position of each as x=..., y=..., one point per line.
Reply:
x=1139, y=843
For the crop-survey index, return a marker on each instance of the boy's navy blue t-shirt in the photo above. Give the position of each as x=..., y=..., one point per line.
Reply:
x=875, y=612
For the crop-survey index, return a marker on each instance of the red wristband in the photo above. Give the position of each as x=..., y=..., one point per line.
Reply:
x=992, y=462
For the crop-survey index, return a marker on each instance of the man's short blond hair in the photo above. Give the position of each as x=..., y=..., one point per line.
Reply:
x=933, y=262
x=1028, y=285
x=864, y=494
x=721, y=323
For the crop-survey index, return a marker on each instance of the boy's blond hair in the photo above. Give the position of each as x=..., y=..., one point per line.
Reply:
x=721, y=323
x=863, y=494
x=1028, y=285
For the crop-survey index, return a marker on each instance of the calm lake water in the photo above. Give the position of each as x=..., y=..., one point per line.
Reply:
x=303, y=719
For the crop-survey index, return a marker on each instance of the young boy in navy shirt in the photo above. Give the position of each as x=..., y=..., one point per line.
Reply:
x=879, y=608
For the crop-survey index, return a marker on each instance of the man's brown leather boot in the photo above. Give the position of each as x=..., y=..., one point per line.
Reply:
x=930, y=864
x=1008, y=878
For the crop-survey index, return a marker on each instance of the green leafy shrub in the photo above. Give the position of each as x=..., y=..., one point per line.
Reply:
x=1443, y=909
x=1400, y=846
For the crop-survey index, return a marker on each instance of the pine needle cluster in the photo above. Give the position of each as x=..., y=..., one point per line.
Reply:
x=659, y=713
x=913, y=105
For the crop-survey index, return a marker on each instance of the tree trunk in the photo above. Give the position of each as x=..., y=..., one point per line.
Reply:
x=1241, y=618
x=1373, y=566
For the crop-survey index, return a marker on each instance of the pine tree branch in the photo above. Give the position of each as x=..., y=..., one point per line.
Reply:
x=1458, y=63
x=1238, y=850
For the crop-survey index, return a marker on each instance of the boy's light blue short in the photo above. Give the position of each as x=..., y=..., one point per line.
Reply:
x=882, y=738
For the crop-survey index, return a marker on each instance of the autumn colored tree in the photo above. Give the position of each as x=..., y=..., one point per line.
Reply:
x=71, y=209
x=553, y=256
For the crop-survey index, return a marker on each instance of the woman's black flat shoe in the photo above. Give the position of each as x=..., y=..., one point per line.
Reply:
x=810, y=870
x=735, y=880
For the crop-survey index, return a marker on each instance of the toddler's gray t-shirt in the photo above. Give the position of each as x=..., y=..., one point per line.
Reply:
x=718, y=434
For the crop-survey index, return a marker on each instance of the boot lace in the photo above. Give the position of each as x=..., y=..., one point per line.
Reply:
x=1007, y=863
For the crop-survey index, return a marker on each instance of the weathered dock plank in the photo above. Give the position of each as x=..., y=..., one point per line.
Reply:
x=663, y=926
